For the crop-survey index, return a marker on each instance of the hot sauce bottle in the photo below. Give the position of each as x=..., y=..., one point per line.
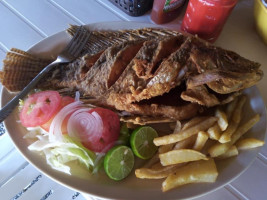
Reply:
x=164, y=11
x=206, y=18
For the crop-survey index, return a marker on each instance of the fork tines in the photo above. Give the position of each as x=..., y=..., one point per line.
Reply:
x=79, y=40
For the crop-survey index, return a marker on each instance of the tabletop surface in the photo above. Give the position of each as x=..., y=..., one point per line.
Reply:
x=25, y=22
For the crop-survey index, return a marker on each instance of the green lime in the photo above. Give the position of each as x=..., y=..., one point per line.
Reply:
x=142, y=142
x=119, y=162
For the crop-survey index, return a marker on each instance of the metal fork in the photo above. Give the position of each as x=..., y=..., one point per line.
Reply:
x=72, y=51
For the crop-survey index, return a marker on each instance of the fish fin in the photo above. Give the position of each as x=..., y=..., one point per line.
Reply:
x=20, y=68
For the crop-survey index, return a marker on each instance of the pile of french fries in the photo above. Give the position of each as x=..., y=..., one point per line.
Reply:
x=189, y=154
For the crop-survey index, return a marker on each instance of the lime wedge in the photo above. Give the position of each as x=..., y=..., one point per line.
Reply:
x=142, y=142
x=119, y=162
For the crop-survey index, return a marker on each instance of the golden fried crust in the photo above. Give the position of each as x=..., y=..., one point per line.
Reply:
x=127, y=70
x=185, y=111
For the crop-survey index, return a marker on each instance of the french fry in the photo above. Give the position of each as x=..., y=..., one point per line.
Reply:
x=219, y=149
x=178, y=126
x=230, y=108
x=222, y=119
x=165, y=148
x=244, y=128
x=186, y=143
x=232, y=151
x=214, y=132
x=194, y=172
x=152, y=161
x=158, y=172
x=157, y=165
x=180, y=156
x=176, y=137
x=227, y=134
x=175, y=126
x=201, y=140
x=207, y=145
x=249, y=143
x=236, y=118
x=193, y=122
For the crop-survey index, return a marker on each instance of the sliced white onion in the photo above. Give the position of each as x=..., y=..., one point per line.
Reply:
x=79, y=119
x=55, y=132
x=84, y=125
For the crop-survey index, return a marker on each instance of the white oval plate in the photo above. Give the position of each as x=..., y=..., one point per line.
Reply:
x=131, y=187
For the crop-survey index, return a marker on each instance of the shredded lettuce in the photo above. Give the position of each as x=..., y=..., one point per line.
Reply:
x=21, y=103
x=59, y=153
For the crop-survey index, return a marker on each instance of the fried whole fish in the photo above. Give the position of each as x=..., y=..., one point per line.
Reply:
x=147, y=72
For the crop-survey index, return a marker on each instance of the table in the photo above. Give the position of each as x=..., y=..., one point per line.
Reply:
x=26, y=22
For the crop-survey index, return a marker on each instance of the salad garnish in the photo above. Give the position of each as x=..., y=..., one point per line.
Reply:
x=75, y=132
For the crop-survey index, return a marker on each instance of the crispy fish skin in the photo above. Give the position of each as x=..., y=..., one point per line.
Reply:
x=223, y=71
x=169, y=74
x=182, y=112
x=149, y=72
x=133, y=86
x=109, y=67
x=148, y=59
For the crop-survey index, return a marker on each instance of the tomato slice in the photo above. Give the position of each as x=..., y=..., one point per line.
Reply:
x=39, y=108
x=110, y=131
x=64, y=101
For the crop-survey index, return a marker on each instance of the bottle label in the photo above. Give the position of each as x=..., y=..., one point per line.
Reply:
x=171, y=5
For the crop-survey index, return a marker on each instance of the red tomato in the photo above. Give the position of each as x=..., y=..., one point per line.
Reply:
x=39, y=108
x=109, y=134
x=64, y=101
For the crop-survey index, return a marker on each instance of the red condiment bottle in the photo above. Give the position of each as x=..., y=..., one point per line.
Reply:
x=164, y=11
x=206, y=18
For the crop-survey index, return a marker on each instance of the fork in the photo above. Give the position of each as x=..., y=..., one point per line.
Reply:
x=69, y=53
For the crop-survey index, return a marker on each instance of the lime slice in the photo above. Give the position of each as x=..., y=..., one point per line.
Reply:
x=119, y=162
x=142, y=142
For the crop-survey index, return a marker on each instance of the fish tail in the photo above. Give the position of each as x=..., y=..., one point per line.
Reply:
x=20, y=68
